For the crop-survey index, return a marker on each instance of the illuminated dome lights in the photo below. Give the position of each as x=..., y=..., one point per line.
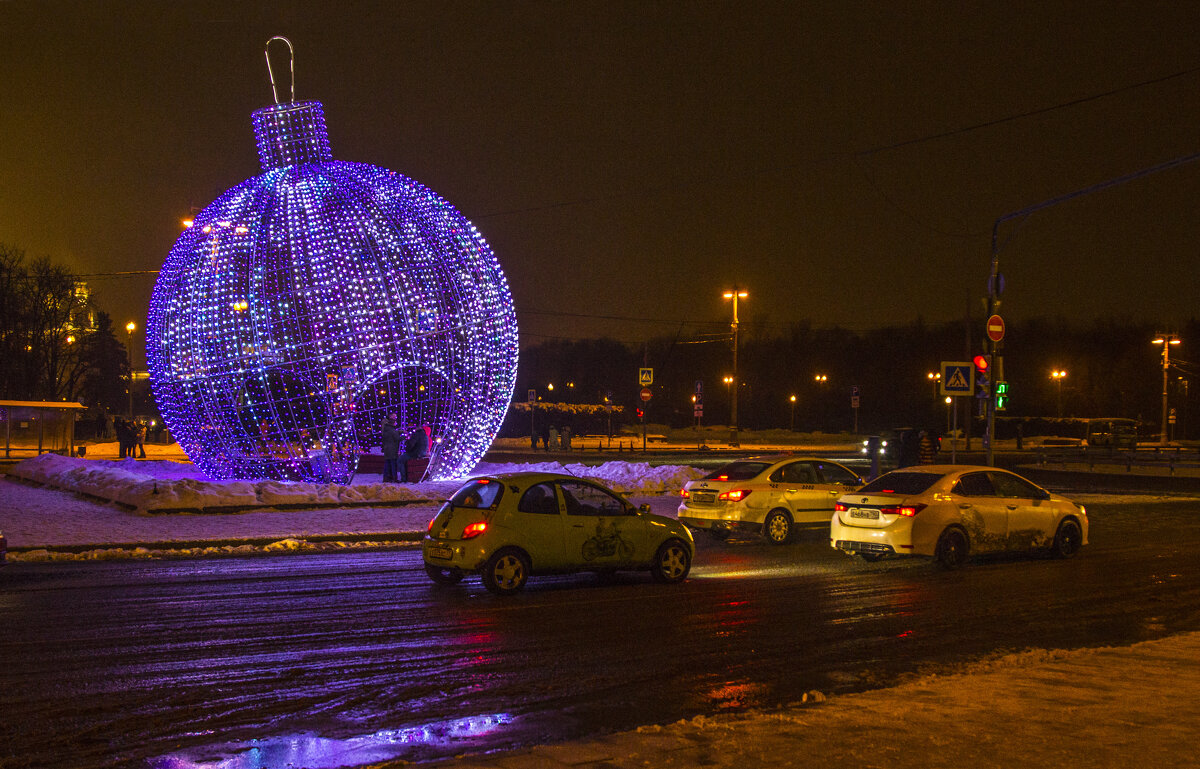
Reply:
x=308, y=302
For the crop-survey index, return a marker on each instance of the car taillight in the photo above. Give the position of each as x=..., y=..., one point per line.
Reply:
x=840, y=508
x=430, y=526
x=684, y=493
x=734, y=495
x=905, y=511
x=474, y=529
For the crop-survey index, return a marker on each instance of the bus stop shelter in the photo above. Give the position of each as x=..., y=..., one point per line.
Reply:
x=38, y=427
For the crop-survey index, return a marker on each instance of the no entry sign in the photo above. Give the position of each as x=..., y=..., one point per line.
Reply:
x=995, y=328
x=646, y=394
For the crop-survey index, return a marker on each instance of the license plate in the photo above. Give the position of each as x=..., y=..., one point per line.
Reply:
x=704, y=499
x=444, y=553
x=858, y=512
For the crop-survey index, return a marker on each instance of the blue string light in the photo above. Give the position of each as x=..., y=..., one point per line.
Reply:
x=306, y=303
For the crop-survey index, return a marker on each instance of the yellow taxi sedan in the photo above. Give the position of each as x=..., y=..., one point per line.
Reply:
x=769, y=495
x=952, y=511
x=509, y=526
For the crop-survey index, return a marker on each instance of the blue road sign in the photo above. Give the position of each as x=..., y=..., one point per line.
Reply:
x=958, y=378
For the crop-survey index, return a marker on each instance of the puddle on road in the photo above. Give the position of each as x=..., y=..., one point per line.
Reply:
x=316, y=752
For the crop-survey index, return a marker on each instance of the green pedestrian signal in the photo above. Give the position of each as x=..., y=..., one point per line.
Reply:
x=1001, y=395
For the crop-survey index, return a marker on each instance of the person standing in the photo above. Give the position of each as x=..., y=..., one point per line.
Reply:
x=121, y=428
x=390, y=443
x=139, y=437
x=927, y=449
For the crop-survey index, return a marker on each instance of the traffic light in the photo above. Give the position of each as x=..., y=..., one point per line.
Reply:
x=982, y=364
x=640, y=413
x=1001, y=395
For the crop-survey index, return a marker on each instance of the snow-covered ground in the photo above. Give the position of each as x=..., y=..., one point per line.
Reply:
x=154, y=507
x=1109, y=707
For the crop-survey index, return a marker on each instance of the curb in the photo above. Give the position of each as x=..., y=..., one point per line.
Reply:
x=383, y=539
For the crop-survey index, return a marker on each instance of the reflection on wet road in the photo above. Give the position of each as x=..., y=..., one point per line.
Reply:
x=340, y=660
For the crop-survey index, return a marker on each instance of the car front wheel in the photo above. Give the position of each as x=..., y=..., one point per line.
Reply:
x=952, y=549
x=777, y=527
x=1068, y=540
x=672, y=562
x=506, y=571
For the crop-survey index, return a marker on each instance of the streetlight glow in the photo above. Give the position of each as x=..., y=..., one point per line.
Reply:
x=1166, y=340
x=735, y=294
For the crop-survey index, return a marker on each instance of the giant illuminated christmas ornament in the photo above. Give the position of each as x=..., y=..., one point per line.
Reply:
x=306, y=303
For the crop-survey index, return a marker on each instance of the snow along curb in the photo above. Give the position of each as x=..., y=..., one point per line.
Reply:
x=122, y=483
x=125, y=551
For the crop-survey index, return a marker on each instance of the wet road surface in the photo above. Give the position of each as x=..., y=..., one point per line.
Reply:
x=337, y=660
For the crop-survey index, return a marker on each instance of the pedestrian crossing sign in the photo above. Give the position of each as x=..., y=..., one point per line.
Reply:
x=958, y=378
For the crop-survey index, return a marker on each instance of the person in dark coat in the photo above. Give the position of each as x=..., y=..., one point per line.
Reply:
x=124, y=437
x=416, y=447
x=390, y=443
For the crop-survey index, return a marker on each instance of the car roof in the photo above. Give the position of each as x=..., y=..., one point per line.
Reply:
x=948, y=469
x=773, y=458
x=529, y=477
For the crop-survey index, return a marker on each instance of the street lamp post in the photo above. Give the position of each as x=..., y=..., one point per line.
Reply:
x=1166, y=340
x=130, y=327
x=1058, y=375
x=792, y=424
x=734, y=294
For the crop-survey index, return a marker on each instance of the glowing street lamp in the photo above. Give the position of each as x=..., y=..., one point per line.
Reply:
x=1166, y=340
x=792, y=426
x=130, y=327
x=821, y=379
x=734, y=294
x=1058, y=375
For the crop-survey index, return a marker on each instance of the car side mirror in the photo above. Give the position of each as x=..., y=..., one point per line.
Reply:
x=645, y=508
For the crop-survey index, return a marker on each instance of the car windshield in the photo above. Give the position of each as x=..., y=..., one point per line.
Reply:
x=900, y=483
x=481, y=492
x=737, y=471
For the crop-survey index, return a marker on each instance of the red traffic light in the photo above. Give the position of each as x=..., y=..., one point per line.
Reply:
x=982, y=362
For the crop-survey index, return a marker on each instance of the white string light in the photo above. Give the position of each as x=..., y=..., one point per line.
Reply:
x=306, y=303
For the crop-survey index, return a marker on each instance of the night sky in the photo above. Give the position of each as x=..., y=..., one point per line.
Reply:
x=842, y=161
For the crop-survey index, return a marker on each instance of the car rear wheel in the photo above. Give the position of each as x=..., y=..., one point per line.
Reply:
x=672, y=562
x=506, y=571
x=1068, y=540
x=443, y=576
x=952, y=549
x=777, y=528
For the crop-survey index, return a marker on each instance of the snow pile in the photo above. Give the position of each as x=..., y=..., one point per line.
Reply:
x=160, y=486
x=156, y=486
x=623, y=477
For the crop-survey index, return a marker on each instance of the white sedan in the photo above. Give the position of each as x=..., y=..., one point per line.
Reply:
x=951, y=511
x=765, y=495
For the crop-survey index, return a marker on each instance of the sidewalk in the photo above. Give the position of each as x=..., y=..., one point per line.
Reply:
x=1110, y=707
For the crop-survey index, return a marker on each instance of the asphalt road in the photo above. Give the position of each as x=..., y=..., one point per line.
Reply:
x=337, y=660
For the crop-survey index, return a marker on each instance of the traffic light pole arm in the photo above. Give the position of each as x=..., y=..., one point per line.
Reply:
x=993, y=297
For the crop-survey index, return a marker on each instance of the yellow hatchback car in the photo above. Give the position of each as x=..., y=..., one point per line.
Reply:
x=771, y=495
x=506, y=527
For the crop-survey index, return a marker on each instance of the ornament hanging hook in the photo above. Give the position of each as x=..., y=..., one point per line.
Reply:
x=291, y=67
